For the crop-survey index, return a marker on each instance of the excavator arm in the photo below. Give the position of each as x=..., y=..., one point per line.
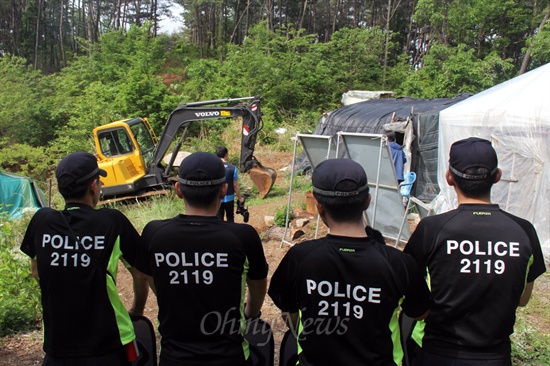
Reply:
x=262, y=177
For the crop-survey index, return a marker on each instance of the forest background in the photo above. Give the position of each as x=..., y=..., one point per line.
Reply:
x=69, y=66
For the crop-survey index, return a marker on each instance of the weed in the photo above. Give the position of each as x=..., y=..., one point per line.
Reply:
x=154, y=208
x=530, y=343
x=280, y=216
x=529, y=347
x=19, y=292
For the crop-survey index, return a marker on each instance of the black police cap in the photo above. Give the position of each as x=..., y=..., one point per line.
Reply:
x=472, y=152
x=75, y=171
x=201, y=162
x=328, y=175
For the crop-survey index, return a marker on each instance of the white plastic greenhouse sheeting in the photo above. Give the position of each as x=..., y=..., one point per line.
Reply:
x=356, y=96
x=515, y=117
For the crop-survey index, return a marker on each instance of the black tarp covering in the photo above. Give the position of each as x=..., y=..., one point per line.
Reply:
x=371, y=116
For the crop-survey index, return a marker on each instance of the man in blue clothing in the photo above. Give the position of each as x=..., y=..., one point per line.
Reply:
x=398, y=156
x=232, y=179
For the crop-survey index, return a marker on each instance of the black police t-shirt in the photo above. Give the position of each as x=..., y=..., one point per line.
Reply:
x=82, y=312
x=477, y=259
x=348, y=292
x=200, y=266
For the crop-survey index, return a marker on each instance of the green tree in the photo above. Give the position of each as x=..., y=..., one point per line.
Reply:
x=448, y=71
x=92, y=108
x=484, y=25
x=118, y=81
x=24, y=103
x=356, y=58
x=539, y=46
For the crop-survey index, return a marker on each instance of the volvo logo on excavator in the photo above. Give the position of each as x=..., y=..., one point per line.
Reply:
x=207, y=114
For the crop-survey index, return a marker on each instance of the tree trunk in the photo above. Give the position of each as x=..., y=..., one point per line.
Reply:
x=527, y=56
x=335, y=18
x=61, y=49
x=270, y=15
x=277, y=233
x=97, y=21
x=386, y=41
x=234, y=38
x=356, y=13
x=154, y=16
x=117, y=15
x=74, y=27
x=303, y=15
x=124, y=19
x=198, y=26
x=91, y=24
x=248, y=17
x=37, y=35
x=409, y=35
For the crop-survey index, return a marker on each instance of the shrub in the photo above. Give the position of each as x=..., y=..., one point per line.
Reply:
x=27, y=160
x=19, y=293
x=280, y=216
x=530, y=343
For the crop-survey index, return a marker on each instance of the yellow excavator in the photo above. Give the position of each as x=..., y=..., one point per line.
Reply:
x=133, y=156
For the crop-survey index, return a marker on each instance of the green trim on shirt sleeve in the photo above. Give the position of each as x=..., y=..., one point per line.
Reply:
x=245, y=345
x=124, y=323
x=418, y=331
x=396, y=335
x=300, y=330
x=531, y=260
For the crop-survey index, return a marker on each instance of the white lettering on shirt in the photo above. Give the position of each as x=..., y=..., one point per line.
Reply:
x=486, y=255
x=196, y=266
x=346, y=297
x=499, y=248
x=173, y=259
x=64, y=242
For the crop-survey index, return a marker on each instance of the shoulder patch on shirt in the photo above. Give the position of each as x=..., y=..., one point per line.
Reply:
x=347, y=250
x=481, y=213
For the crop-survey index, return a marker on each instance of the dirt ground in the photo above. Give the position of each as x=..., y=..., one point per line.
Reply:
x=25, y=349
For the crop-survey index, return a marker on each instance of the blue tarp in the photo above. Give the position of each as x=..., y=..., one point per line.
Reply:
x=19, y=194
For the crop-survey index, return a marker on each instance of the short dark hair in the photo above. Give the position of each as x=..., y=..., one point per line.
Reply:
x=200, y=196
x=344, y=209
x=475, y=188
x=221, y=151
x=390, y=135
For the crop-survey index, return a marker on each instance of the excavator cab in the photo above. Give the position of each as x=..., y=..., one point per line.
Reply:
x=124, y=150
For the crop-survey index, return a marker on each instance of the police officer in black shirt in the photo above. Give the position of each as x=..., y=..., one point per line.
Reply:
x=200, y=268
x=341, y=294
x=74, y=257
x=481, y=263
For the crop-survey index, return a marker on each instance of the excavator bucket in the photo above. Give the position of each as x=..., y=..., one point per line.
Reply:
x=263, y=178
